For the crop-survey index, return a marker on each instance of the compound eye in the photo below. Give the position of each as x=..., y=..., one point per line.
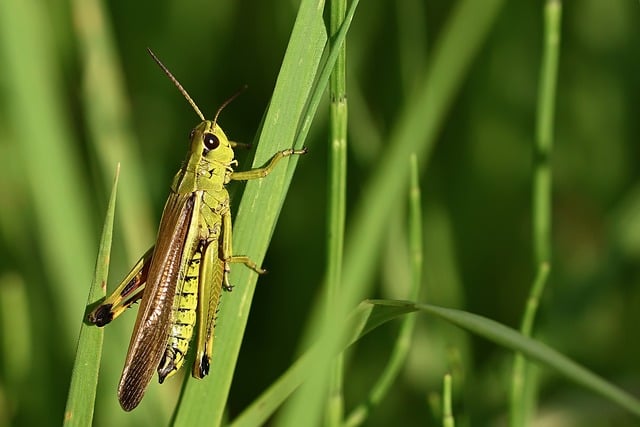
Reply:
x=211, y=141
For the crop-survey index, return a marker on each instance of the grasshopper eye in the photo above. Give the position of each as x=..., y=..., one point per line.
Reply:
x=211, y=141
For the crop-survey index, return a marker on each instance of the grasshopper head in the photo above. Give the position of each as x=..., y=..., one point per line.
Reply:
x=208, y=161
x=209, y=144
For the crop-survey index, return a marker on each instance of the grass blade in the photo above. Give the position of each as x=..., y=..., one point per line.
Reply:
x=257, y=213
x=84, y=378
x=533, y=350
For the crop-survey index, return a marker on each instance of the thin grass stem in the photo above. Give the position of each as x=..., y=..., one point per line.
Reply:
x=522, y=376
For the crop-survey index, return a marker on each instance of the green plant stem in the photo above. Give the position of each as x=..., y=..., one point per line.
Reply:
x=521, y=368
x=336, y=202
x=544, y=134
x=522, y=377
x=447, y=411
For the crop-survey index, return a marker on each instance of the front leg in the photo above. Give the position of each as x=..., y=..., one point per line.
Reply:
x=264, y=171
x=227, y=253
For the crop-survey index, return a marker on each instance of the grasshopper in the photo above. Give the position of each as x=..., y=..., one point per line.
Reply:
x=180, y=280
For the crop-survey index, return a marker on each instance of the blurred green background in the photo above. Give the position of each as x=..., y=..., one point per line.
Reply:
x=67, y=117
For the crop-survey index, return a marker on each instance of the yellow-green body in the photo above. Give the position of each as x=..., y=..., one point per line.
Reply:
x=205, y=179
x=180, y=280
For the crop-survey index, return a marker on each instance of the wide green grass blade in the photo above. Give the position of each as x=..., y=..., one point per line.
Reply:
x=257, y=213
x=84, y=377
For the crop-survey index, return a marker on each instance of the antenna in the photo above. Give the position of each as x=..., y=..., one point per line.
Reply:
x=182, y=90
x=228, y=101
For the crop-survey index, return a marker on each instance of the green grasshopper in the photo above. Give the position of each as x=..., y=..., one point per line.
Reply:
x=181, y=278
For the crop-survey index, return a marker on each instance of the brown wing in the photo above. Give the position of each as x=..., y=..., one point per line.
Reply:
x=149, y=336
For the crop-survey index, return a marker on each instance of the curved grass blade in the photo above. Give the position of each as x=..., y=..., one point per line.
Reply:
x=532, y=349
x=84, y=377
